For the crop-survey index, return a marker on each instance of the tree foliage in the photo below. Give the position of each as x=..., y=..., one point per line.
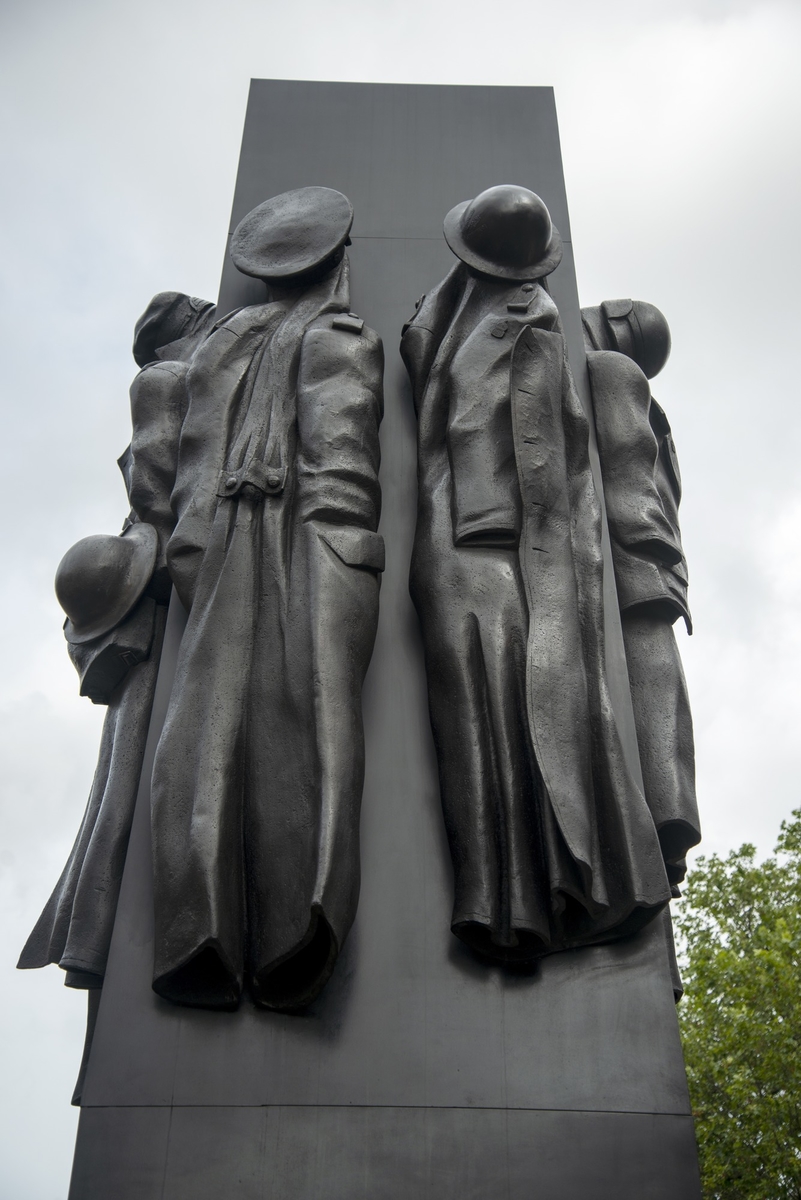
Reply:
x=740, y=926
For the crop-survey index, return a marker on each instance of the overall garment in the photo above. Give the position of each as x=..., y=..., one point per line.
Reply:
x=258, y=774
x=552, y=842
x=76, y=924
x=642, y=488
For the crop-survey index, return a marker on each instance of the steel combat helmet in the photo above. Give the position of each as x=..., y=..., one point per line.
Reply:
x=506, y=232
x=100, y=579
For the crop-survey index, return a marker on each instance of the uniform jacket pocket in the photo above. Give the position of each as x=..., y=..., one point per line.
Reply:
x=356, y=547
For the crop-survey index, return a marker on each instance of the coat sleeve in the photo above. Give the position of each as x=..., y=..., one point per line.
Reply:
x=339, y=409
x=158, y=407
x=629, y=452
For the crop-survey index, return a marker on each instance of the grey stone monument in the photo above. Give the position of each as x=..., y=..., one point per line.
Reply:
x=311, y=1055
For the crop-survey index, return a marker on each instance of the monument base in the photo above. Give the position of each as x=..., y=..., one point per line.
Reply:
x=351, y=1153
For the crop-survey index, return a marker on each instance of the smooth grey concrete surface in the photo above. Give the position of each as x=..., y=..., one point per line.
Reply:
x=419, y=1070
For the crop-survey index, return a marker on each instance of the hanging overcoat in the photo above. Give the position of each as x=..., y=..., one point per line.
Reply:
x=258, y=775
x=552, y=842
x=642, y=489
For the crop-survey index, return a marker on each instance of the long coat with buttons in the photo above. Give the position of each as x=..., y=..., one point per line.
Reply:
x=552, y=842
x=258, y=775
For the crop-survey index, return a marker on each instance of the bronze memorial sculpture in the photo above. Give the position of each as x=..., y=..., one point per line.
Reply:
x=525, y=744
x=115, y=592
x=642, y=490
x=553, y=843
x=258, y=775
x=265, y=520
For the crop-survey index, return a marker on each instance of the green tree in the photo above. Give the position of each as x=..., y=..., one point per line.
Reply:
x=740, y=930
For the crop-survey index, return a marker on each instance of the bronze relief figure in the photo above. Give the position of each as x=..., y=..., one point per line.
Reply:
x=553, y=844
x=253, y=480
x=258, y=775
x=115, y=592
x=627, y=343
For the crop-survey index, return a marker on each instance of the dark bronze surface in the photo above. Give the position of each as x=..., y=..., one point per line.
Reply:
x=632, y=327
x=75, y=927
x=419, y=1070
x=323, y=1153
x=292, y=234
x=258, y=776
x=100, y=579
x=642, y=486
x=552, y=842
x=104, y=663
x=505, y=233
x=169, y=327
x=116, y=648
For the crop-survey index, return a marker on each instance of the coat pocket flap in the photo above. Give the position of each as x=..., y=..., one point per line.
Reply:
x=356, y=547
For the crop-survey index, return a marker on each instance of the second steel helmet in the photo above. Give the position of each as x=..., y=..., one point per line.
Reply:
x=100, y=579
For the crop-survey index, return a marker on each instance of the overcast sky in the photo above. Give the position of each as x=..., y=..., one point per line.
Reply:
x=121, y=122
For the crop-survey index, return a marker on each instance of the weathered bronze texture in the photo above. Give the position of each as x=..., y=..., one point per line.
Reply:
x=506, y=233
x=113, y=591
x=258, y=780
x=100, y=579
x=419, y=1070
x=552, y=842
x=104, y=663
x=291, y=235
x=628, y=341
x=258, y=775
x=632, y=327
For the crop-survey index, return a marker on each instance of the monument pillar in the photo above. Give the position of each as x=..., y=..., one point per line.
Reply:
x=420, y=1071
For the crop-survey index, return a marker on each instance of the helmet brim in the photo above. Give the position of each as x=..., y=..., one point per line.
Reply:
x=544, y=265
x=137, y=577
